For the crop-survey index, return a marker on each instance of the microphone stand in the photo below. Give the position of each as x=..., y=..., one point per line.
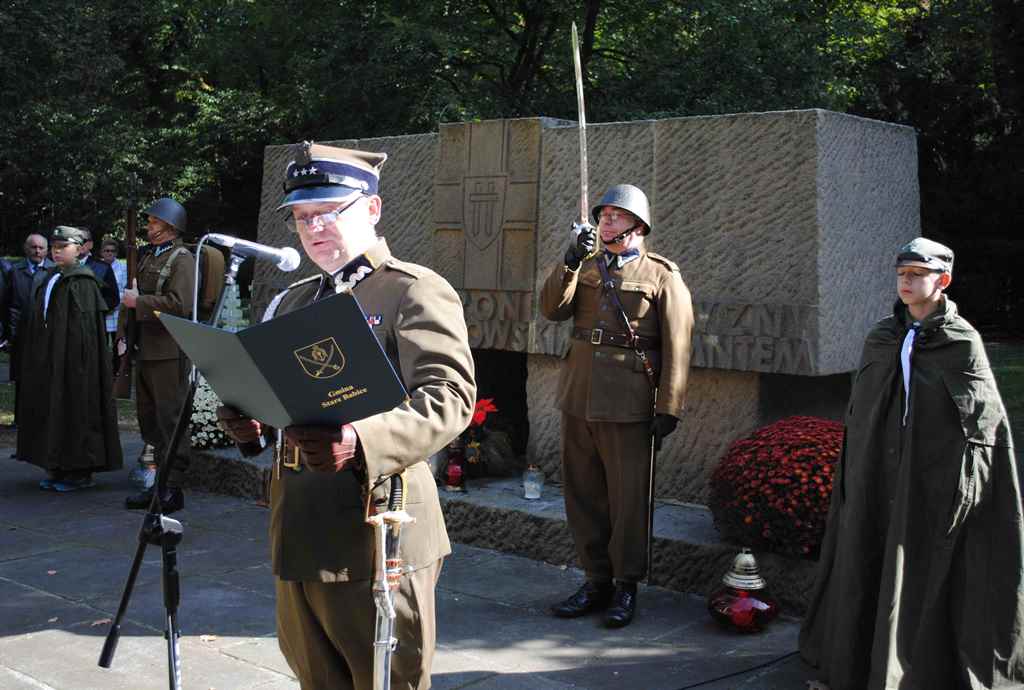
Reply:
x=159, y=530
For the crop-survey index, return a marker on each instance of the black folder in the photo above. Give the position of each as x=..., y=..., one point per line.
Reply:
x=321, y=364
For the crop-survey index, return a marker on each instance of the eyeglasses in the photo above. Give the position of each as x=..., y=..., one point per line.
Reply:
x=612, y=217
x=320, y=219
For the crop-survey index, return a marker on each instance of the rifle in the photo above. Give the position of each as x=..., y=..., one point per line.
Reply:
x=123, y=376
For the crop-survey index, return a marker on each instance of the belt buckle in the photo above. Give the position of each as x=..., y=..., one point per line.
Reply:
x=596, y=335
x=295, y=464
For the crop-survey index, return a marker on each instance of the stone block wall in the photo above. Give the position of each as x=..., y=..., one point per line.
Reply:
x=783, y=224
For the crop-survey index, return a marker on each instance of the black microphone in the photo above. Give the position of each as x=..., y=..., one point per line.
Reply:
x=286, y=258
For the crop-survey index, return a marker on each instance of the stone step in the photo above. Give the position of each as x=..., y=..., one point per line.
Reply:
x=689, y=554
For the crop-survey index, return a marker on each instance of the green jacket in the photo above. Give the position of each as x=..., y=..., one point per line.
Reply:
x=67, y=419
x=920, y=577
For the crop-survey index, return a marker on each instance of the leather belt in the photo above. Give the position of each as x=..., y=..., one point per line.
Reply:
x=599, y=336
x=290, y=457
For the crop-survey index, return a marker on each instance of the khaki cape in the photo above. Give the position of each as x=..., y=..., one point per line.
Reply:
x=920, y=577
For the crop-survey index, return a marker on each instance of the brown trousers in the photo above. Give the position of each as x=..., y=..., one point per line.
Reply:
x=160, y=389
x=326, y=629
x=605, y=472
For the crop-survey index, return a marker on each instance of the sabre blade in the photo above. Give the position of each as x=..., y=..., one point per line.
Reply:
x=582, y=117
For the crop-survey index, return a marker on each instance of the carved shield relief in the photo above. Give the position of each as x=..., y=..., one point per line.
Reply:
x=483, y=208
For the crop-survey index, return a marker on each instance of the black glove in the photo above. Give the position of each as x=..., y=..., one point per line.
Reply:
x=582, y=246
x=661, y=426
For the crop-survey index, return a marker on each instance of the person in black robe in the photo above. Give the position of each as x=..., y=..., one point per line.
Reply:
x=67, y=412
x=921, y=577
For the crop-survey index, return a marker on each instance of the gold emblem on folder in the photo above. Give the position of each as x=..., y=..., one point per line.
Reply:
x=322, y=359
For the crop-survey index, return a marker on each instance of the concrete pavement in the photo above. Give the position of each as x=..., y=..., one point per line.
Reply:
x=64, y=558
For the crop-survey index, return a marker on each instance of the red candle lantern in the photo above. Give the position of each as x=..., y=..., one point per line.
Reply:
x=743, y=603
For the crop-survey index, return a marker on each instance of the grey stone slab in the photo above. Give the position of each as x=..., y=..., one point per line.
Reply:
x=25, y=609
x=506, y=639
x=138, y=665
x=79, y=573
x=207, y=607
x=259, y=651
x=14, y=680
x=208, y=552
x=257, y=579
x=19, y=542
x=689, y=522
x=279, y=683
x=506, y=681
x=784, y=674
x=476, y=571
x=452, y=669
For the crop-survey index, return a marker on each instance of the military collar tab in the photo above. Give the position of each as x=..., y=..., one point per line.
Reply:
x=159, y=249
x=620, y=260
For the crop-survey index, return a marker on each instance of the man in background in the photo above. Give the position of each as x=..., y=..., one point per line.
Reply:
x=101, y=269
x=18, y=298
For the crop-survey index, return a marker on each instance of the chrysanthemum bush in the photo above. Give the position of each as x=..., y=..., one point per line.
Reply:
x=772, y=489
x=205, y=432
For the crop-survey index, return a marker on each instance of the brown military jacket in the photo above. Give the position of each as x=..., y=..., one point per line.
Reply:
x=154, y=342
x=317, y=527
x=606, y=383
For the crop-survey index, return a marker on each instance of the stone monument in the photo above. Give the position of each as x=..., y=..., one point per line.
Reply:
x=783, y=224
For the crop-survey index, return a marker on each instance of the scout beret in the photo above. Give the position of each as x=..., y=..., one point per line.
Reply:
x=320, y=173
x=67, y=233
x=926, y=253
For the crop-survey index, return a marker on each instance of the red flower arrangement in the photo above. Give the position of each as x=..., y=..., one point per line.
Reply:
x=481, y=410
x=772, y=489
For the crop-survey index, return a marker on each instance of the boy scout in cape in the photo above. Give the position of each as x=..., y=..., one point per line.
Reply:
x=322, y=547
x=68, y=421
x=607, y=394
x=920, y=577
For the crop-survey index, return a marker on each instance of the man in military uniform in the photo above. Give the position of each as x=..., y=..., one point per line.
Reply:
x=166, y=283
x=622, y=388
x=322, y=548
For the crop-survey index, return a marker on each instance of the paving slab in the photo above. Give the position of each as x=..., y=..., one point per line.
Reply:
x=63, y=560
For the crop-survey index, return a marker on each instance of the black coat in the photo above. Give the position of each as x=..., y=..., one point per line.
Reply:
x=19, y=296
x=66, y=412
x=108, y=288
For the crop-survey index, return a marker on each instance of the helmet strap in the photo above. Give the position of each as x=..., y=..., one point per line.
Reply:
x=622, y=235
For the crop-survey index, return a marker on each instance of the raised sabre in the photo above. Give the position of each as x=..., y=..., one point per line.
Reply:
x=582, y=117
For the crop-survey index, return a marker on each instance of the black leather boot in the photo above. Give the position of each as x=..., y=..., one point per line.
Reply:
x=623, y=606
x=170, y=502
x=587, y=599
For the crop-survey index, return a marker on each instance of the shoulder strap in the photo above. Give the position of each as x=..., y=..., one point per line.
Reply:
x=608, y=285
x=165, y=270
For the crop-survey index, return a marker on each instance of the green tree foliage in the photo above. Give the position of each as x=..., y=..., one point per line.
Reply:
x=185, y=94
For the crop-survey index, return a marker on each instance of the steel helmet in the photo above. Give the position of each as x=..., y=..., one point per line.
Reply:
x=169, y=211
x=629, y=198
